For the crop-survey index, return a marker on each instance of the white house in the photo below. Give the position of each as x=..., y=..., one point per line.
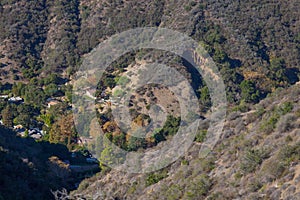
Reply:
x=15, y=99
x=3, y=96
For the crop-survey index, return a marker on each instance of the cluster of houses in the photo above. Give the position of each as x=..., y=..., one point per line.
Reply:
x=34, y=133
x=12, y=99
x=50, y=101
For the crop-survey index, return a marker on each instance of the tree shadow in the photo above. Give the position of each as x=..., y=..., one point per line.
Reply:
x=292, y=75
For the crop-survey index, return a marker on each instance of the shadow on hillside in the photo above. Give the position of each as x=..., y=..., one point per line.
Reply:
x=30, y=169
x=292, y=75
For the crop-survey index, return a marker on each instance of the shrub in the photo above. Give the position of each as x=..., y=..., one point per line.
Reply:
x=259, y=111
x=285, y=108
x=288, y=139
x=118, y=93
x=187, y=8
x=286, y=123
x=134, y=143
x=184, y=162
x=269, y=124
x=242, y=107
x=289, y=153
x=123, y=80
x=198, y=188
x=208, y=163
x=201, y=136
x=273, y=168
x=255, y=185
x=174, y=192
x=216, y=196
x=252, y=159
x=83, y=185
x=155, y=177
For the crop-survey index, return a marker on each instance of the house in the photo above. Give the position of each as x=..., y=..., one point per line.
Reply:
x=3, y=96
x=17, y=127
x=21, y=134
x=36, y=136
x=52, y=103
x=35, y=133
x=15, y=99
x=32, y=131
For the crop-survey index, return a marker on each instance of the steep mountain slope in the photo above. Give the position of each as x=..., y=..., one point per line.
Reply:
x=258, y=157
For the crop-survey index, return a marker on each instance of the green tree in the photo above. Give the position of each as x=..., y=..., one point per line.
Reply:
x=134, y=143
x=18, y=89
x=34, y=96
x=249, y=92
x=26, y=134
x=7, y=117
x=24, y=119
x=205, y=97
x=53, y=78
x=51, y=89
x=111, y=156
x=278, y=70
x=119, y=140
x=48, y=119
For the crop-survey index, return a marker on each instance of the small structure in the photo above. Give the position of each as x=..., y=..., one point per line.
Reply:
x=15, y=99
x=20, y=130
x=52, y=103
x=32, y=131
x=17, y=127
x=36, y=136
x=3, y=96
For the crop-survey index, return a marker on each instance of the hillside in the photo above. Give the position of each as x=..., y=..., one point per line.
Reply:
x=258, y=157
x=250, y=40
x=28, y=170
x=35, y=170
x=255, y=46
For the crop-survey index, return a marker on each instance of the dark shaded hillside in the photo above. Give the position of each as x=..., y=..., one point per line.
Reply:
x=28, y=169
